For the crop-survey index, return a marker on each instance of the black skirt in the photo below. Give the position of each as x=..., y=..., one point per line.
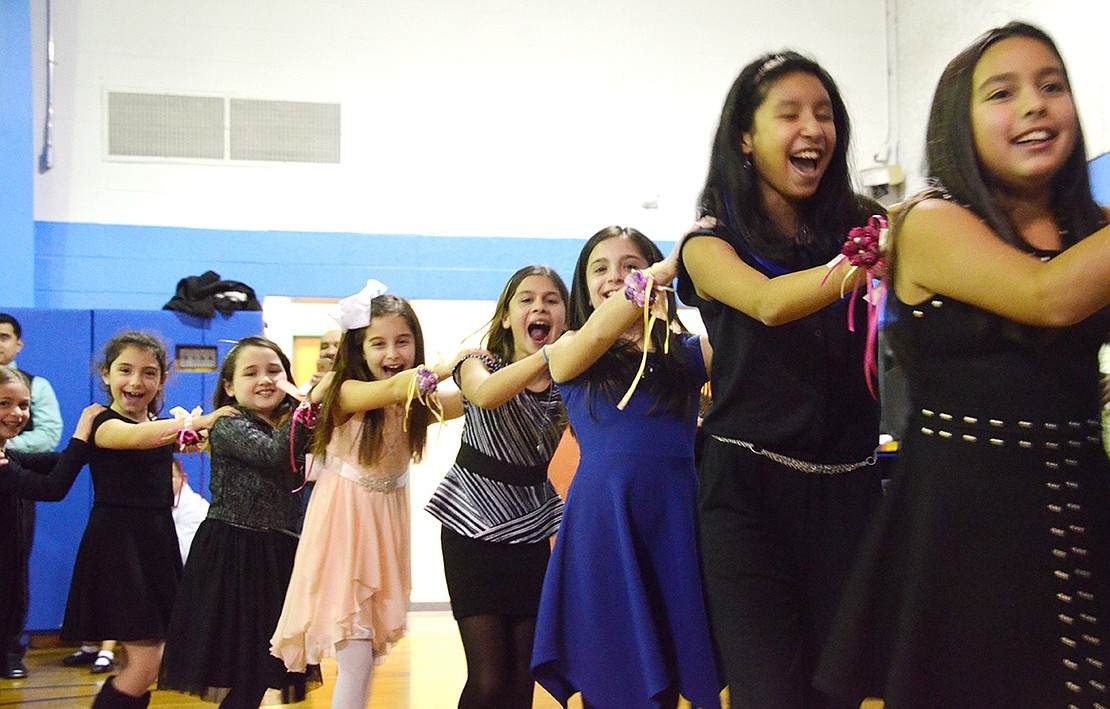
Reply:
x=228, y=606
x=125, y=576
x=489, y=578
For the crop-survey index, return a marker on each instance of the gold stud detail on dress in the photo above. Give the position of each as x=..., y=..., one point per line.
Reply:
x=969, y=438
x=918, y=314
x=996, y=441
x=927, y=431
x=1097, y=664
x=1097, y=685
x=996, y=423
x=927, y=412
x=1056, y=531
x=1089, y=618
x=1073, y=687
x=1068, y=641
x=1071, y=664
x=1062, y=575
x=1052, y=485
x=971, y=420
x=1025, y=444
x=1066, y=618
x=1063, y=597
x=936, y=303
x=944, y=434
x=1079, y=550
x=1059, y=553
x=1052, y=465
x=1025, y=424
x=1086, y=595
x=945, y=417
x=1092, y=640
x=1051, y=426
x=1055, y=508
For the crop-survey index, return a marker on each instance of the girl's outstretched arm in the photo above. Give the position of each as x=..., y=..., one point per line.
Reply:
x=48, y=477
x=575, y=352
x=357, y=396
x=492, y=389
x=719, y=274
x=120, y=435
x=941, y=247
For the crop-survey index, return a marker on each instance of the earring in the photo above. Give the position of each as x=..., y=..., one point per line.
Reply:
x=747, y=161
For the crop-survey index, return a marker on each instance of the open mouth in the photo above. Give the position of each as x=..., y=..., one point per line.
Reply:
x=392, y=370
x=806, y=161
x=1036, y=136
x=539, y=331
x=133, y=398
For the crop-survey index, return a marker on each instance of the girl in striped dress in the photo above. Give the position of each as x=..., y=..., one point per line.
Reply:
x=497, y=506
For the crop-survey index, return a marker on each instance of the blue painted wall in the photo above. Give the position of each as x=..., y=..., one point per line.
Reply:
x=17, y=161
x=138, y=267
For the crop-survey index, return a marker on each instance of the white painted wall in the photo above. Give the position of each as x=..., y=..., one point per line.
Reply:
x=930, y=32
x=487, y=118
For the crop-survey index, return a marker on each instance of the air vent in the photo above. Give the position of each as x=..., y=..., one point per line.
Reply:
x=218, y=128
x=161, y=125
x=286, y=131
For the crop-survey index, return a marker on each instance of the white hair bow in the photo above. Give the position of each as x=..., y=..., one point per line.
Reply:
x=354, y=310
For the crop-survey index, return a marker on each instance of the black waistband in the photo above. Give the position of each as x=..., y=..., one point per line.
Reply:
x=478, y=462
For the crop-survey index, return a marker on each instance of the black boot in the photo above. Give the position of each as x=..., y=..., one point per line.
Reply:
x=112, y=698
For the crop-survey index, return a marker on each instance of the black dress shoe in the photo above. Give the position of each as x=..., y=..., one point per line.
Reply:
x=15, y=670
x=79, y=658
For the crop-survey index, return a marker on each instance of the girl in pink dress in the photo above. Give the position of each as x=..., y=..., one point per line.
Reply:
x=349, y=593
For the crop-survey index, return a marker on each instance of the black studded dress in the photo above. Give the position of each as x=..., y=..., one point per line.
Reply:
x=985, y=580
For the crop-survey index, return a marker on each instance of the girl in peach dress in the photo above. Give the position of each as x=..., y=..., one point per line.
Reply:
x=349, y=593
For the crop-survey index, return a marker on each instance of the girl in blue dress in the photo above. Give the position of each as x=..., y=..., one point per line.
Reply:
x=621, y=618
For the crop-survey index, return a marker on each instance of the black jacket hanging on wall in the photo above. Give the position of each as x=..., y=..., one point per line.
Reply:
x=203, y=295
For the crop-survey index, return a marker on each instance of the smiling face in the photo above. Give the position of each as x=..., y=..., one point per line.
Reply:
x=537, y=315
x=133, y=379
x=390, y=346
x=254, y=382
x=15, y=408
x=608, y=265
x=1022, y=115
x=791, y=140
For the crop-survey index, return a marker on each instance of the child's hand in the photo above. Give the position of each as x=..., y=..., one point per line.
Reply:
x=287, y=386
x=209, y=420
x=84, y=424
x=444, y=370
x=665, y=271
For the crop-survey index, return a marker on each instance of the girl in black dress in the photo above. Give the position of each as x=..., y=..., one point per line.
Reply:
x=218, y=642
x=985, y=580
x=128, y=564
x=27, y=477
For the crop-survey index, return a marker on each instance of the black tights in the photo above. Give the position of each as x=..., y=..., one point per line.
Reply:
x=243, y=698
x=498, y=661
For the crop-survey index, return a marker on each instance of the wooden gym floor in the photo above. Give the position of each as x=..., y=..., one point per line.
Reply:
x=425, y=671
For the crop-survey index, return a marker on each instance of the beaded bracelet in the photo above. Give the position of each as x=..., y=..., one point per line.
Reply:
x=426, y=380
x=636, y=286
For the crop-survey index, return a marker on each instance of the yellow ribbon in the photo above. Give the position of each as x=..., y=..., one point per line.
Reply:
x=429, y=400
x=651, y=314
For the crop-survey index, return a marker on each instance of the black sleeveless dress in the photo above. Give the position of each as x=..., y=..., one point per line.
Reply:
x=985, y=580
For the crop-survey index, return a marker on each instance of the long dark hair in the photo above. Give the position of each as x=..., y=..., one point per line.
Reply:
x=350, y=363
x=953, y=162
x=499, y=340
x=731, y=193
x=227, y=375
x=142, y=341
x=610, y=376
